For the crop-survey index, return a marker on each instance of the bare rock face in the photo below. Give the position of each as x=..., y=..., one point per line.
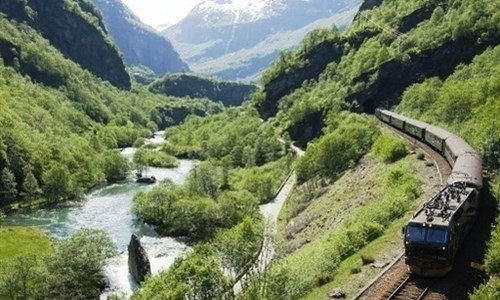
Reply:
x=138, y=261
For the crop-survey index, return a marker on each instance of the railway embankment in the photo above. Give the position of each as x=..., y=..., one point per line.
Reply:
x=319, y=211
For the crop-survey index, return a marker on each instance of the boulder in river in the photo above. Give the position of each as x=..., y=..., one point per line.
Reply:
x=138, y=261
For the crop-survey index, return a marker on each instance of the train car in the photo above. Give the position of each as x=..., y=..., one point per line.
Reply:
x=468, y=169
x=434, y=234
x=436, y=137
x=385, y=115
x=415, y=128
x=397, y=121
x=454, y=147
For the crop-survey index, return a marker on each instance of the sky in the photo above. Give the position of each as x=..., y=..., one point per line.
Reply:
x=158, y=12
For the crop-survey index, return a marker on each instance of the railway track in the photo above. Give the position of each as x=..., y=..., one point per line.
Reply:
x=411, y=287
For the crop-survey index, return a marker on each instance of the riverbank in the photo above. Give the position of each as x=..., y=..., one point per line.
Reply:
x=17, y=241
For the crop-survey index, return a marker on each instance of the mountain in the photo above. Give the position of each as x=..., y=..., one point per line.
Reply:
x=390, y=46
x=140, y=44
x=77, y=31
x=238, y=39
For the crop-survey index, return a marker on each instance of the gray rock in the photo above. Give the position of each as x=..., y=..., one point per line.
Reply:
x=138, y=261
x=337, y=293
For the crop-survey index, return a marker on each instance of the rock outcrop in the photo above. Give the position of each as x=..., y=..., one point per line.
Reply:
x=185, y=85
x=316, y=62
x=394, y=76
x=138, y=261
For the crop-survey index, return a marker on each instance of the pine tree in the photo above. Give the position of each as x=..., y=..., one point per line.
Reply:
x=8, y=190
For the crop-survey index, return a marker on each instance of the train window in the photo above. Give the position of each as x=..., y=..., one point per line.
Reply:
x=437, y=236
x=415, y=234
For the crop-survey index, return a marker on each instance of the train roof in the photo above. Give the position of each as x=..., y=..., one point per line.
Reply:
x=458, y=146
x=439, y=210
x=439, y=132
x=417, y=123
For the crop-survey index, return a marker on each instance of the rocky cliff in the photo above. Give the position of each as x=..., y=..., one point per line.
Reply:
x=386, y=84
x=315, y=63
x=139, y=44
x=184, y=85
x=75, y=28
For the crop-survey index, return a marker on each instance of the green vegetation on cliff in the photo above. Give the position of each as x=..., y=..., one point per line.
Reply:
x=193, y=86
x=64, y=23
x=387, y=49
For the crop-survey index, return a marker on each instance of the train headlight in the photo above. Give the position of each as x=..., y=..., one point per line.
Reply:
x=444, y=248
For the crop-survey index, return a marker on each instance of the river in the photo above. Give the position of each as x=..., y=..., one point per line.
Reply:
x=109, y=209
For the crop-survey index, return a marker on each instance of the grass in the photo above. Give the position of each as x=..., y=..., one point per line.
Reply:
x=16, y=241
x=382, y=249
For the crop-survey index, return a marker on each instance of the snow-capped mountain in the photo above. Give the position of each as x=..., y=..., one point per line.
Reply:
x=237, y=11
x=236, y=39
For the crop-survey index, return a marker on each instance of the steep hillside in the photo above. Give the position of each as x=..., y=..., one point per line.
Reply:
x=183, y=85
x=388, y=48
x=238, y=39
x=140, y=44
x=436, y=61
x=60, y=123
x=75, y=28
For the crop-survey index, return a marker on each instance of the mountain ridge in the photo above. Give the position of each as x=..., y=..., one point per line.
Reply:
x=78, y=32
x=233, y=43
x=139, y=43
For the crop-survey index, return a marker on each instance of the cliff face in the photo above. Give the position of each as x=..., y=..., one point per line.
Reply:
x=76, y=29
x=140, y=44
x=394, y=76
x=229, y=93
x=316, y=61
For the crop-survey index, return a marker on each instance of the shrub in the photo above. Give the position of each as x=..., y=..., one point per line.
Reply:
x=339, y=150
x=389, y=149
x=367, y=259
x=322, y=279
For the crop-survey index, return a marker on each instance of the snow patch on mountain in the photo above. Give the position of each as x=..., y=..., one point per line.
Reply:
x=248, y=11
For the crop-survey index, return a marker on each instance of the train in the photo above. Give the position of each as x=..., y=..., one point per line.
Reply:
x=434, y=234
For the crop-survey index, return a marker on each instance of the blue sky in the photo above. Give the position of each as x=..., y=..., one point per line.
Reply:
x=157, y=12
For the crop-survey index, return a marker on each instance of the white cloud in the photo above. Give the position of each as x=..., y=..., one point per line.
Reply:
x=158, y=12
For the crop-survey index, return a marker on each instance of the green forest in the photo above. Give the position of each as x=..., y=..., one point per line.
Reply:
x=63, y=125
x=59, y=140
